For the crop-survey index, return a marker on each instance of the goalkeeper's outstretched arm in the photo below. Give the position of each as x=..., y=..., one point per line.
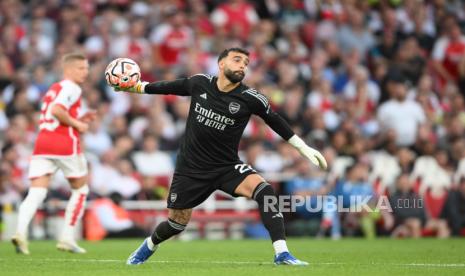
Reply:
x=176, y=87
x=277, y=123
x=281, y=127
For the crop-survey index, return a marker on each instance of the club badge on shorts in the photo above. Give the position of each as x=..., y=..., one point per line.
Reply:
x=234, y=107
x=173, y=197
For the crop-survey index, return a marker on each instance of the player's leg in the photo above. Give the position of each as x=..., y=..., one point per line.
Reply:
x=438, y=226
x=400, y=231
x=73, y=214
x=185, y=193
x=176, y=223
x=35, y=196
x=40, y=171
x=75, y=170
x=414, y=227
x=254, y=187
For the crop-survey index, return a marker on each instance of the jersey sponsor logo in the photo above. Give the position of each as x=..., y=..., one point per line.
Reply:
x=173, y=197
x=234, y=107
x=242, y=168
x=204, y=95
x=212, y=119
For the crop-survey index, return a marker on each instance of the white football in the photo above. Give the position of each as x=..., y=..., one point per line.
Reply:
x=122, y=72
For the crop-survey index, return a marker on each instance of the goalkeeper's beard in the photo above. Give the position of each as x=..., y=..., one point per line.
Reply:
x=233, y=76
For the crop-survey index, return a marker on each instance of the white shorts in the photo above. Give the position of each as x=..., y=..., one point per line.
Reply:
x=74, y=166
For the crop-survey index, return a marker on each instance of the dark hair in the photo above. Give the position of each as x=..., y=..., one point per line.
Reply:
x=116, y=197
x=6, y=148
x=234, y=49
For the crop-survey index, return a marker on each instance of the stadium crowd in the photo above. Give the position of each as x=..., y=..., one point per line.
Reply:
x=378, y=86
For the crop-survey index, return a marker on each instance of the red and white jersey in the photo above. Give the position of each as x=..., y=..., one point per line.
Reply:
x=449, y=53
x=173, y=42
x=230, y=16
x=55, y=139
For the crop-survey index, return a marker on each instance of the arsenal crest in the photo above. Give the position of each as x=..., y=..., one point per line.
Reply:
x=173, y=197
x=234, y=107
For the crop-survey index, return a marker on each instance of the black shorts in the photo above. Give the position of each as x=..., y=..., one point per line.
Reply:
x=190, y=189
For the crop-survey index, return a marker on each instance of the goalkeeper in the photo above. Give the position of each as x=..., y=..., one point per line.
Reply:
x=208, y=158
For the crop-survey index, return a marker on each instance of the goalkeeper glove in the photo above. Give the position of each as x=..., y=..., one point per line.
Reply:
x=315, y=156
x=139, y=88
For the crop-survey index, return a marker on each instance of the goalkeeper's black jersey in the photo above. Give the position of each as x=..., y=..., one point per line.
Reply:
x=216, y=121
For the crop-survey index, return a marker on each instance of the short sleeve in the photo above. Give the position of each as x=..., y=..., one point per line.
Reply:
x=439, y=50
x=159, y=34
x=68, y=95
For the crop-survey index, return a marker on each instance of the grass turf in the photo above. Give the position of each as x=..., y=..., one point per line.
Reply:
x=248, y=257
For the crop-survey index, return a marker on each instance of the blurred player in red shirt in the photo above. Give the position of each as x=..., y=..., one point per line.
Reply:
x=172, y=39
x=58, y=147
x=448, y=51
x=236, y=16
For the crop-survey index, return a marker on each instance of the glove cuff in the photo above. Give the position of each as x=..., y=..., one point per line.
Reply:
x=140, y=87
x=296, y=142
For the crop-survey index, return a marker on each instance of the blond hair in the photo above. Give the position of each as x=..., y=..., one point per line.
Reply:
x=72, y=57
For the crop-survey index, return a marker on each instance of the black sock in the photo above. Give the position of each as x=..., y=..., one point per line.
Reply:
x=166, y=230
x=271, y=217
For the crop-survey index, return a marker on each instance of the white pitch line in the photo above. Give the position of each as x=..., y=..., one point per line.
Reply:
x=433, y=265
x=444, y=265
x=155, y=261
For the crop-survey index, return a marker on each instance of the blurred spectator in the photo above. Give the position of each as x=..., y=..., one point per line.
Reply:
x=448, y=51
x=235, y=17
x=354, y=184
x=424, y=29
x=401, y=115
x=14, y=174
x=431, y=172
x=102, y=33
x=406, y=158
x=150, y=161
x=97, y=139
x=309, y=185
x=171, y=39
x=37, y=42
x=424, y=94
x=454, y=209
x=106, y=218
x=408, y=60
x=355, y=35
x=128, y=184
x=105, y=176
x=124, y=146
x=363, y=92
x=9, y=192
x=20, y=94
x=409, y=212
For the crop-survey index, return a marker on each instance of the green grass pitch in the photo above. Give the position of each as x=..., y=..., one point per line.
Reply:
x=247, y=257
